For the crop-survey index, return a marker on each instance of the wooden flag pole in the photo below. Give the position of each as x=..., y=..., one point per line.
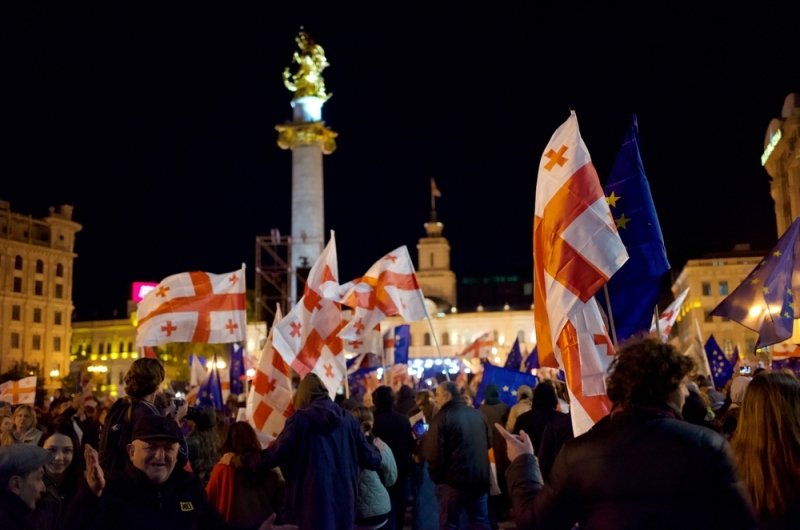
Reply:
x=610, y=316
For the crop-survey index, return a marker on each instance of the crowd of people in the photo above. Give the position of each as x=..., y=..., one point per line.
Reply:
x=673, y=453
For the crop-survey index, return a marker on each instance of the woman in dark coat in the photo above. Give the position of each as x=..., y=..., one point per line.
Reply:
x=61, y=476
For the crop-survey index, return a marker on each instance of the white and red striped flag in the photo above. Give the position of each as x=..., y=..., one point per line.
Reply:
x=270, y=400
x=576, y=249
x=480, y=348
x=306, y=336
x=20, y=391
x=668, y=317
x=194, y=307
x=388, y=288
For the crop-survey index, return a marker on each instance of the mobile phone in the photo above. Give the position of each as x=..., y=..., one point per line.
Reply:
x=420, y=428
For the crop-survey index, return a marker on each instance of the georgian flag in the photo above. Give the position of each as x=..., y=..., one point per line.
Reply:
x=576, y=249
x=306, y=336
x=668, y=317
x=20, y=391
x=194, y=307
x=270, y=400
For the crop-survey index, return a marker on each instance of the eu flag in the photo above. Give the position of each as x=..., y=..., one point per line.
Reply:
x=721, y=367
x=237, y=372
x=402, y=340
x=514, y=358
x=634, y=289
x=532, y=360
x=507, y=381
x=210, y=392
x=764, y=301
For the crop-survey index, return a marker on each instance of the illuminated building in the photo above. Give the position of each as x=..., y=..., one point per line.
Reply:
x=781, y=159
x=36, y=264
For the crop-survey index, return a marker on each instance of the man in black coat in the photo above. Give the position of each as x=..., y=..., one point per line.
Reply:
x=149, y=491
x=640, y=467
x=21, y=483
x=457, y=450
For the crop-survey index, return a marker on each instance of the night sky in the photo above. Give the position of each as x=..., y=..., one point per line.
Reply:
x=158, y=126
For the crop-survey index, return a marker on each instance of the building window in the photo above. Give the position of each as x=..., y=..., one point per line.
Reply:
x=60, y=270
x=59, y=291
x=130, y=347
x=39, y=266
x=37, y=342
x=121, y=378
x=121, y=347
x=56, y=343
x=15, y=340
x=38, y=288
x=101, y=349
x=17, y=284
x=16, y=312
x=37, y=315
x=723, y=288
x=88, y=349
x=431, y=260
x=427, y=339
x=446, y=338
x=706, y=286
x=57, y=318
x=707, y=316
x=18, y=263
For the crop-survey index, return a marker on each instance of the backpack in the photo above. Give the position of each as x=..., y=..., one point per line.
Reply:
x=116, y=434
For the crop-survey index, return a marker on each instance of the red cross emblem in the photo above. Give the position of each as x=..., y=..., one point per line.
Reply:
x=355, y=344
x=358, y=326
x=556, y=158
x=233, y=279
x=231, y=326
x=162, y=291
x=391, y=258
x=328, y=370
x=295, y=329
x=168, y=328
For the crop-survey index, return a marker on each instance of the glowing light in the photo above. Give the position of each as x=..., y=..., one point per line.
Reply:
x=98, y=368
x=220, y=364
x=755, y=311
x=251, y=372
x=54, y=373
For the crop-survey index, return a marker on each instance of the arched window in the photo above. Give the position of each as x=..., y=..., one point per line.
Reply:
x=427, y=339
x=60, y=270
x=18, y=263
x=101, y=349
x=39, y=266
x=446, y=338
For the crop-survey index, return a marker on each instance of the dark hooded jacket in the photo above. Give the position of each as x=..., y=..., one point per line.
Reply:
x=319, y=452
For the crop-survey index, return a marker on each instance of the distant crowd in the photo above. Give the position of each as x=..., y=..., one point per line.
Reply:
x=674, y=453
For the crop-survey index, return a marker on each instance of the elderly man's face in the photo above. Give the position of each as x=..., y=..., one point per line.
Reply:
x=155, y=458
x=28, y=487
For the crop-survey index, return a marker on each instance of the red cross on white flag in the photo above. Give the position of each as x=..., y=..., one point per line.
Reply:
x=306, y=336
x=20, y=391
x=194, y=307
x=668, y=317
x=480, y=348
x=270, y=400
x=576, y=249
x=388, y=288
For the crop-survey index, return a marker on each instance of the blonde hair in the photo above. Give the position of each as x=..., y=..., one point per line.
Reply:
x=766, y=444
x=29, y=408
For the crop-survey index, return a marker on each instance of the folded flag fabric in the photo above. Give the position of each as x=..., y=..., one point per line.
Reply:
x=194, y=307
x=19, y=391
x=667, y=318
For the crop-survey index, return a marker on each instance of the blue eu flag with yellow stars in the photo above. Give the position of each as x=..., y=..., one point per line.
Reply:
x=634, y=289
x=209, y=394
x=765, y=300
x=721, y=367
x=514, y=358
x=237, y=371
x=506, y=380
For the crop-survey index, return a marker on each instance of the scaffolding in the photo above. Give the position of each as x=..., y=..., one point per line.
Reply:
x=273, y=275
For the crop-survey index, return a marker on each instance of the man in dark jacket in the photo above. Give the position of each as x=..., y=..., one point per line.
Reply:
x=319, y=452
x=21, y=483
x=640, y=467
x=457, y=450
x=149, y=492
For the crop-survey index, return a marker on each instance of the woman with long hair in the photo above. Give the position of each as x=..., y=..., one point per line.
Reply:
x=766, y=447
x=25, y=430
x=243, y=499
x=61, y=476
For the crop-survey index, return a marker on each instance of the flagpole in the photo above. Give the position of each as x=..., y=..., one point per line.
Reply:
x=655, y=316
x=610, y=316
x=436, y=341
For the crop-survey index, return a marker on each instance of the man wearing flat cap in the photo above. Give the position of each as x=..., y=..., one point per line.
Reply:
x=20, y=483
x=149, y=492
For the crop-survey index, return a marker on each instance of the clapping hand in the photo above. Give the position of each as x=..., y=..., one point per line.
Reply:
x=94, y=473
x=517, y=444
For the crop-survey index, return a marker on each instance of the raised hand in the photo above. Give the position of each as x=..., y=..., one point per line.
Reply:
x=517, y=444
x=94, y=473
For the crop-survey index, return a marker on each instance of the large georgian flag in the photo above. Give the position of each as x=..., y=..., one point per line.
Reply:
x=576, y=249
x=270, y=400
x=480, y=348
x=20, y=391
x=194, y=307
x=388, y=288
x=306, y=336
